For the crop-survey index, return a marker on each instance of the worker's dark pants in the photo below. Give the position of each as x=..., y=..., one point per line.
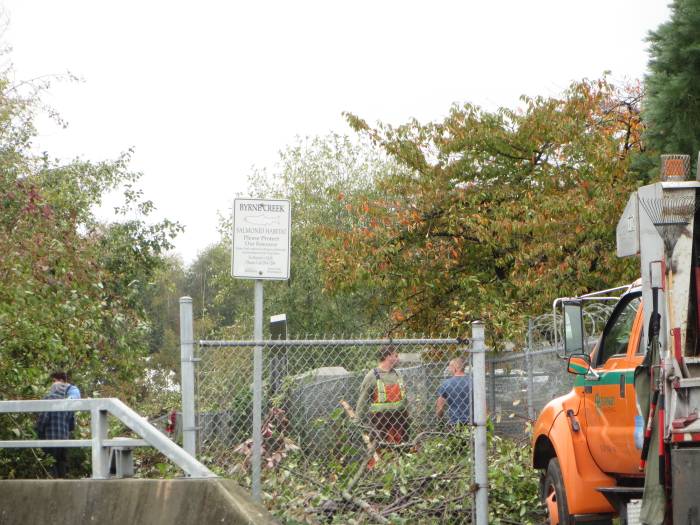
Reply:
x=60, y=456
x=393, y=426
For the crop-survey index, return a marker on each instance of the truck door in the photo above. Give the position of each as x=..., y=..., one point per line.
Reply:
x=609, y=400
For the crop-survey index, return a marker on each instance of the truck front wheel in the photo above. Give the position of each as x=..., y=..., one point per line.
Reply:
x=555, y=495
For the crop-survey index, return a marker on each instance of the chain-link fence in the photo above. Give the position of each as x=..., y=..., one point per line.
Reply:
x=520, y=384
x=342, y=436
x=327, y=453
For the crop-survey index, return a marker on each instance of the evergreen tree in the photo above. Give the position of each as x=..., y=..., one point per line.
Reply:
x=672, y=106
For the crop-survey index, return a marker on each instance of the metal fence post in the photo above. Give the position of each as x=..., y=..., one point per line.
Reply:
x=492, y=370
x=528, y=364
x=480, y=443
x=100, y=453
x=256, y=453
x=189, y=429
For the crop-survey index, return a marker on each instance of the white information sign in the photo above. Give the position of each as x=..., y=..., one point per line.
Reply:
x=261, y=239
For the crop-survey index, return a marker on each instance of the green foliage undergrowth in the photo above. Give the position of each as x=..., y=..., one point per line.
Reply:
x=513, y=484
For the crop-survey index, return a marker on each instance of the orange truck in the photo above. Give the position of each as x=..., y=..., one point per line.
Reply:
x=627, y=436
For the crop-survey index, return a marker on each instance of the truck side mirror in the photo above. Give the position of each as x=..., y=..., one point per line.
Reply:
x=573, y=328
x=579, y=364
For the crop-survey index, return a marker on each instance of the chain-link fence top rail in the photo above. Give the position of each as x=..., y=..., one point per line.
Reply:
x=393, y=458
x=520, y=384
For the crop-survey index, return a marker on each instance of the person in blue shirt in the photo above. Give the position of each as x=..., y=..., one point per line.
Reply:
x=455, y=394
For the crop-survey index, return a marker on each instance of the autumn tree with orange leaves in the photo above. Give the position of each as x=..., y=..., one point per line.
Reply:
x=494, y=214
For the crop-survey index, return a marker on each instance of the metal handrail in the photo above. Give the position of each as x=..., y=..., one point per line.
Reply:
x=100, y=443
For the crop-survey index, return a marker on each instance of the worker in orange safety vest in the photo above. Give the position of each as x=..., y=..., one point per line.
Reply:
x=382, y=399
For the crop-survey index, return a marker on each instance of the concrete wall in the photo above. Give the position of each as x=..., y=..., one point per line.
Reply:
x=128, y=501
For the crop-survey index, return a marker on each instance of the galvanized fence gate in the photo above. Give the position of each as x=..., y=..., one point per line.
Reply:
x=314, y=460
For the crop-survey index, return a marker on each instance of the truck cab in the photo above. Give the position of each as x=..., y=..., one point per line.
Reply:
x=587, y=443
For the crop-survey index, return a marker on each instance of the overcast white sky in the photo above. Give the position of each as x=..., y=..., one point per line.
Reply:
x=204, y=90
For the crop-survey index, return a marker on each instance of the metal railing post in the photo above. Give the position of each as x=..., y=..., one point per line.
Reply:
x=100, y=453
x=529, y=367
x=480, y=442
x=189, y=429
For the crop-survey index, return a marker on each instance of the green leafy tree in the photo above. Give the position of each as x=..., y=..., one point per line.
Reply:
x=494, y=214
x=672, y=103
x=318, y=175
x=162, y=305
x=73, y=288
x=206, y=277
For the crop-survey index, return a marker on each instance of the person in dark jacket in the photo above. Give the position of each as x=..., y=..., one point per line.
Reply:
x=56, y=425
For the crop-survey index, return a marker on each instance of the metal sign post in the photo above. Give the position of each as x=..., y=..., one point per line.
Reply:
x=261, y=251
x=256, y=459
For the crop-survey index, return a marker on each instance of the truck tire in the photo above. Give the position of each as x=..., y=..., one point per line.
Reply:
x=554, y=495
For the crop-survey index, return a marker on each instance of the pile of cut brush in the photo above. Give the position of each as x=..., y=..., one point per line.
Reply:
x=426, y=480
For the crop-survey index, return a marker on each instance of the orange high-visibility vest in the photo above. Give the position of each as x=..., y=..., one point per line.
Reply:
x=388, y=397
